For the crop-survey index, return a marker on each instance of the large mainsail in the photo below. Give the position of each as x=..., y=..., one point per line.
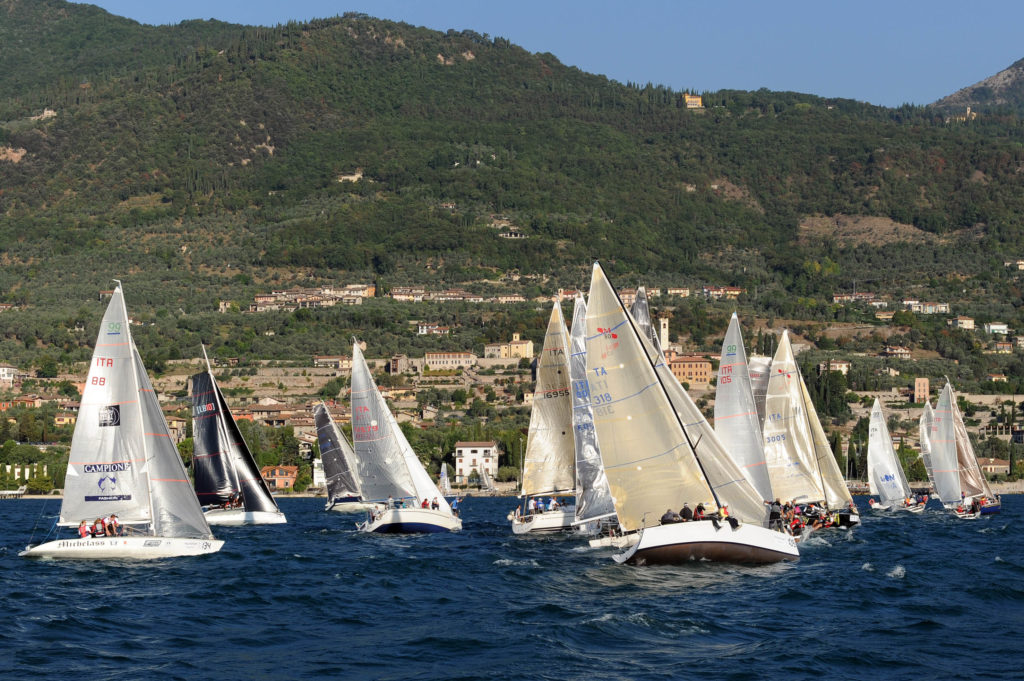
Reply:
x=549, y=464
x=942, y=440
x=973, y=482
x=593, y=497
x=388, y=466
x=649, y=462
x=736, y=421
x=221, y=461
x=837, y=494
x=885, y=474
x=788, y=442
x=338, y=457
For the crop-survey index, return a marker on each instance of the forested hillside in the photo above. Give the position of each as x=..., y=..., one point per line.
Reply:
x=206, y=162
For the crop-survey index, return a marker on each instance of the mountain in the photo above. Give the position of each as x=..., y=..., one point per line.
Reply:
x=1003, y=91
x=208, y=161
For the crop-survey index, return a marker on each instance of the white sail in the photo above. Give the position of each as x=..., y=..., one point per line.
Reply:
x=759, y=368
x=648, y=460
x=388, y=466
x=942, y=440
x=788, y=441
x=593, y=497
x=924, y=428
x=123, y=459
x=641, y=312
x=973, y=482
x=549, y=463
x=444, y=483
x=885, y=474
x=837, y=494
x=736, y=422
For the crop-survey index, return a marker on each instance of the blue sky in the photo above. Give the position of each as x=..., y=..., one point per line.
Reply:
x=888, y=53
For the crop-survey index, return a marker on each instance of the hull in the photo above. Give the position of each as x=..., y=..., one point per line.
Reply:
x=123, y=548
x=916, y=508
x=559, y=520
x=621, y=541
x=684, y=542
x=411, y=520
x=239, y=516
x=991, y=508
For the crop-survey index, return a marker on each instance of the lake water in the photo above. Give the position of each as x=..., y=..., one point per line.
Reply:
x=902, y=597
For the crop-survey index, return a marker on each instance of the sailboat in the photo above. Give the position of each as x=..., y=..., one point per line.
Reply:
x=650, y=459
x=549, y=464
x=958, y=479
x=227, y=480
x=390, y=473
x=595, y=511
x=343, y=491
x=886, y=478
x=124, y=462
x=444, y=483
x=800, y=463
x=736, y=421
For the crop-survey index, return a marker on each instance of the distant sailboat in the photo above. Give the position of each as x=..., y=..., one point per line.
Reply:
x=958, y=479
x=444, y=483
x=886, y=478
x=549, y=464
x=650, y=459
x=343, y=490
x=736, y=421
x=389, y=470
x=123, y=461
x=227, y=480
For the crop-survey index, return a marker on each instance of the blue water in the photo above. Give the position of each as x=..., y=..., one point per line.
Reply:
x=901, y=597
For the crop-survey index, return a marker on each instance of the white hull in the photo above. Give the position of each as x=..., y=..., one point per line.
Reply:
x=409, y=520
x=917, y=508
x=559, y=520
x=683, y=542
x=128, y=548
x=239, y=516
x=622, y=541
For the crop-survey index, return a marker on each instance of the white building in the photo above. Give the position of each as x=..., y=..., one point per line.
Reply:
x=319, y=479
x=997, y=327
x=7, y=375
x=475, y=456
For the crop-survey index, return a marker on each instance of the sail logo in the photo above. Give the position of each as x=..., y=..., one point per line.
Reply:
x=114, y=467
x=608, y=333
x=110, y=415
x=107, y=484
x=888, y=477
x=202, y=409
x=730, y=350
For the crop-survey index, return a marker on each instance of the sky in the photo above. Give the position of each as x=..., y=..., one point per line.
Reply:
x=888, y=52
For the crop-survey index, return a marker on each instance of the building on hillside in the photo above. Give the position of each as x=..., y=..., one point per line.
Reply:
x=1003, y=348
x=692, y=370
x=409, y=294
x=693, y=101
x=991, y=466
x=31, y=401
x=897, y=351
x=678, y=291
x=507, y=298
x=961, y=322
x=884, y=315
x=64, y=418
x=448, y=360
x=840, y=365
x=997, y=378
x=7, y=375
x=399, y=364
x=319, y=479
x=475, y=456
x=516, y=348
x=922, y=390
x=280, y=477
x=627, y=296
x=997, y=328
x=177, y=427
x=430, y=329
x=722, y=292
x=342, y=362
x=854, y=297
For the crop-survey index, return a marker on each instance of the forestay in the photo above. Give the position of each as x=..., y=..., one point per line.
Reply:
x=337, y=455
x=593, y=497
x=788, y=443
x=549, y=463
x=736, y=421
x=885, y=474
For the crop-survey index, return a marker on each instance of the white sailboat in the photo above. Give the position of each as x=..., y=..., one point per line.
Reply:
x=958, y=479
x=595, y=510
x=444, y=483
x=390, y=473
x=343, y=490
x=549, y=464
x=227, y=480
x=886, y=478
x=123, y=461
x=800, y=463
x=736, y=421
x=651, y=461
